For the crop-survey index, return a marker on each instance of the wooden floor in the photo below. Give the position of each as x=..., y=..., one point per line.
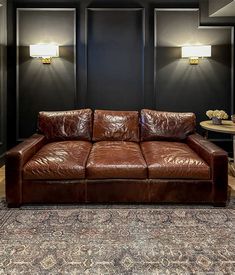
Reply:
x=231, y=181
x=2, y=182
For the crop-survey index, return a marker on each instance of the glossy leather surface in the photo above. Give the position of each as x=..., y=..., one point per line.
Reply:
x=180, y=191
x=58, y=160
x=156, y=125
x=111, y=160
x=173, y=160
x=217, y=159
x=67, y=125
x=53, y=191
x=116, y=159
x=149, y=191
x=116, y=126
x=15, y=160
x=117, y=190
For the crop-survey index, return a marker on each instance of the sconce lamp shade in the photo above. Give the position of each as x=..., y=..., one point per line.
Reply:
x=196, y=51
x=44, y=50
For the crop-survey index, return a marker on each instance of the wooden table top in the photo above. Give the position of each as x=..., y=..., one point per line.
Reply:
x=227, y=127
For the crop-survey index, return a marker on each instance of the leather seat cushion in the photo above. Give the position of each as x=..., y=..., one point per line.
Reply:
x=58, y=160
x=116, y=160
x=173, y=160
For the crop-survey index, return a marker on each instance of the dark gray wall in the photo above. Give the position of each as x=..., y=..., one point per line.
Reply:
x=215, y=5
x=115, y=56
x=191, y=88
x=206, y=19
x=131, y=78
x=44, y=87
x=3, y=75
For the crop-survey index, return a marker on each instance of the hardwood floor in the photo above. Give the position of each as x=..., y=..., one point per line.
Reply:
x=231, y=181
x=2, y=182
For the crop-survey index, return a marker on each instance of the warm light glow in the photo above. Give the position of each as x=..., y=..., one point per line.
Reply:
x=196, y=51
x=44, y=50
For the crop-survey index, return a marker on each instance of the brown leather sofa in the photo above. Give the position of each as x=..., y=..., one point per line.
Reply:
x=116, y=156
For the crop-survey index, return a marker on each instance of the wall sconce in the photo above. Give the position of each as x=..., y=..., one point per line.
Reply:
x=194, y=52
x=44, y=51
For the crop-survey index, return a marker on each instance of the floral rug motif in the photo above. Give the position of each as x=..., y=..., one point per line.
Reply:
x=117, y=239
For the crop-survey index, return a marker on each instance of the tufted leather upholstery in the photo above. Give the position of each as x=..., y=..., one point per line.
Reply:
x=116, y=159
x=173, y=160
x=116, y=125
x=67, y=125
x=156, y=125
x=58, y=160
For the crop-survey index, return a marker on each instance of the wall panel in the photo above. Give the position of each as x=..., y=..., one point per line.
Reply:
x=115, y=58
x=192, y=88
x=3, y=76
x=44, y=87
x=115, y=65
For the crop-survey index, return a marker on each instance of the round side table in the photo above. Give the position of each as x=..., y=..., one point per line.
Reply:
x=227, y=127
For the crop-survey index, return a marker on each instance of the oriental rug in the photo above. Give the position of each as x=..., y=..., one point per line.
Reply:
x=117, y=239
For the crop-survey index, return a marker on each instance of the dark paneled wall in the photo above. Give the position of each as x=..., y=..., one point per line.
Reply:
x=115, y=58
x=44, y=87
x=183, y=87
x=3, y=75
x=117, y=65
x=205, y=19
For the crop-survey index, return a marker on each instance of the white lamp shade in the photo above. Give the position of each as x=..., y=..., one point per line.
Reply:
x=196, y=51
x=44, y=50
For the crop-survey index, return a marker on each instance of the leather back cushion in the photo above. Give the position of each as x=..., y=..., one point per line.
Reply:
x=66, y=125
x=116, y=125
x=156, y=125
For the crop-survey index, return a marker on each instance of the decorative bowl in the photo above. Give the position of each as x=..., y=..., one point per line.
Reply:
x=216, y=120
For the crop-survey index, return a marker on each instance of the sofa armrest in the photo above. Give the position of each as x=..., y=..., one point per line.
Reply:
x=15, y=160
x=217, y=159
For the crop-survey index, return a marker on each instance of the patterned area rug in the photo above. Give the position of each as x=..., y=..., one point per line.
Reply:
x=117, y=239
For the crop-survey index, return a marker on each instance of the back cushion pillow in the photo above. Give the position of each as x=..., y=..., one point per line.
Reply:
x=156, y=125
x=116, y=125
x=65, y=125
